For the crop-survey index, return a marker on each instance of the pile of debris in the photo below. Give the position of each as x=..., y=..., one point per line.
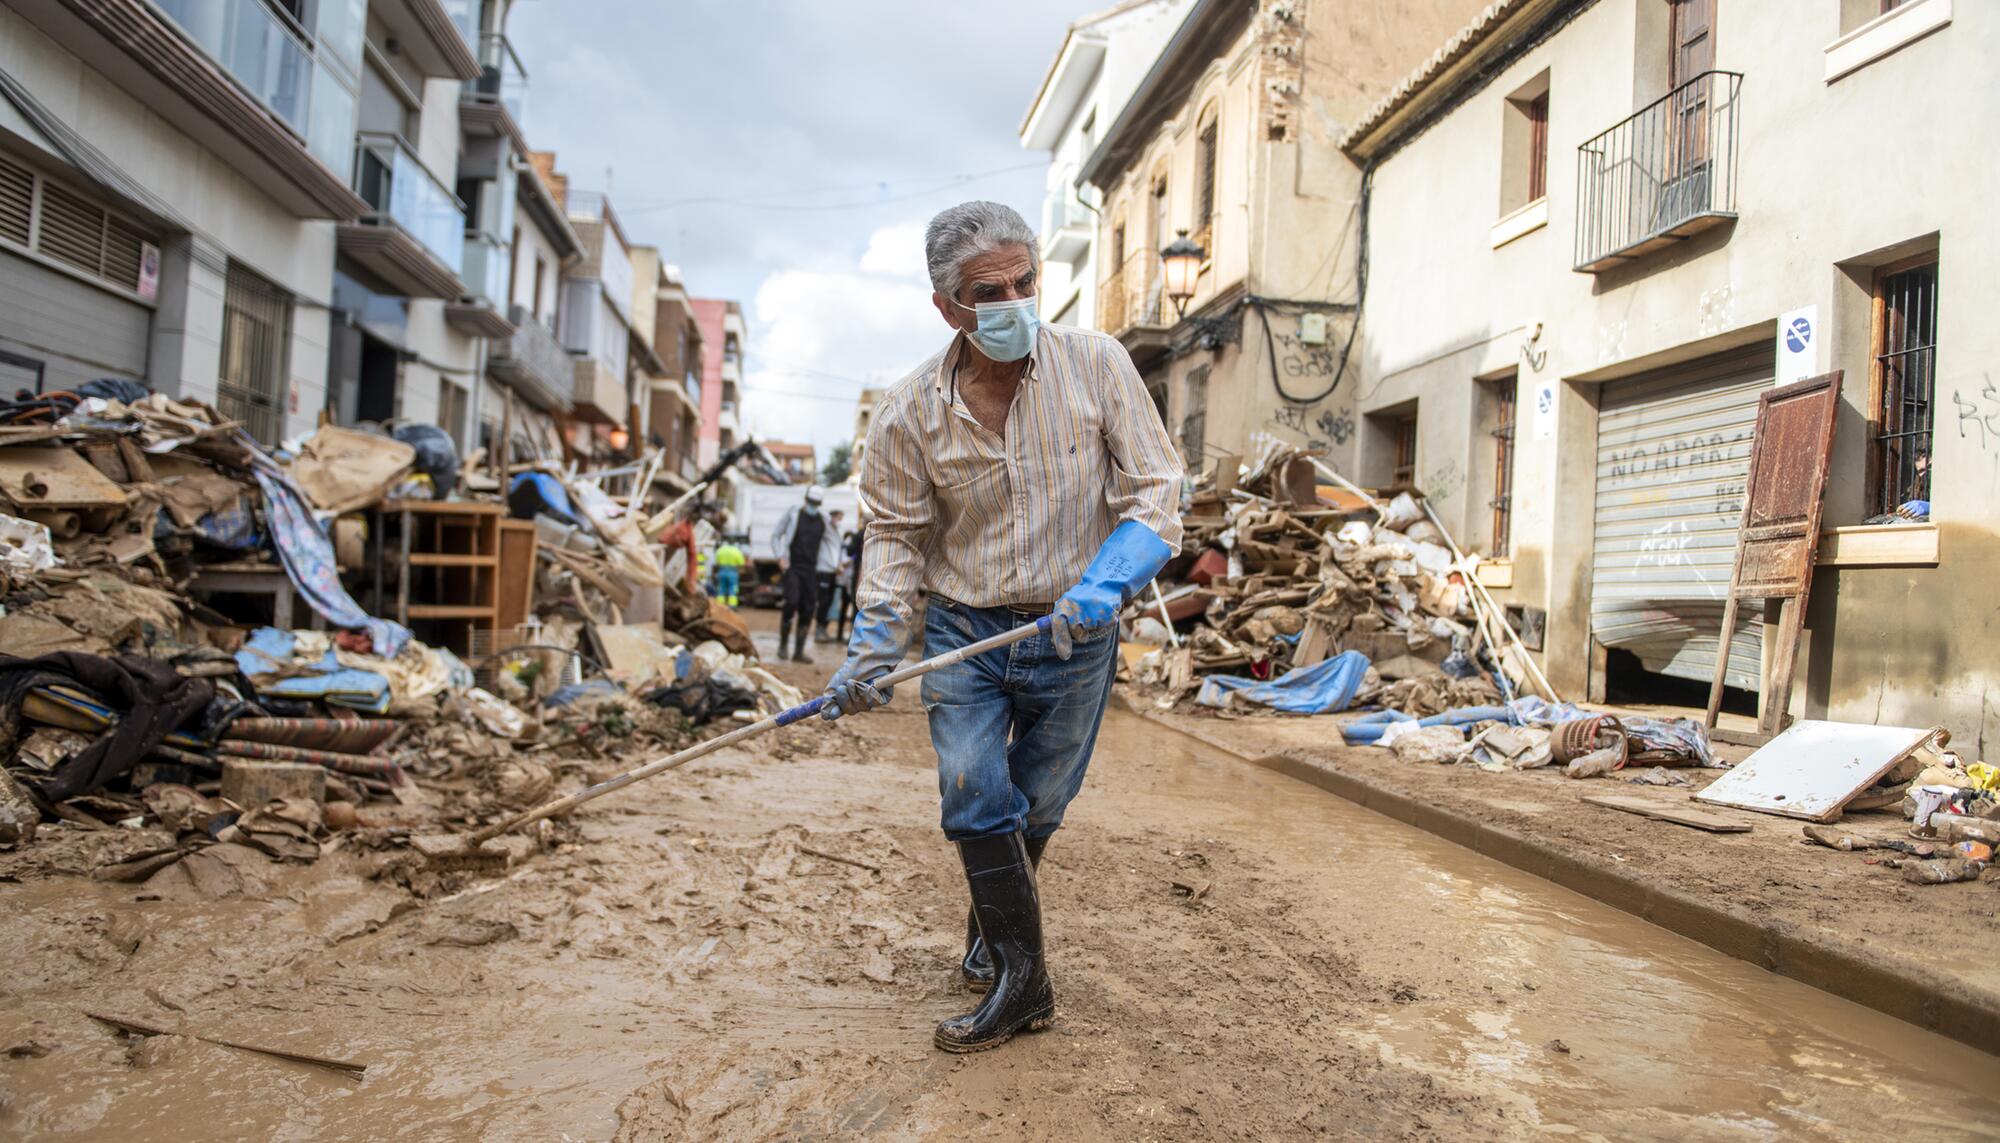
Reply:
x=149, y=699
x=1286, y=566
x=1302, y=593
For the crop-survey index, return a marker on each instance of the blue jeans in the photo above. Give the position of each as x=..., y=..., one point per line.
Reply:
x=1013, y=728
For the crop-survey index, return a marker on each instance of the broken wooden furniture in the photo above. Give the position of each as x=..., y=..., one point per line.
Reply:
x=1779, y=536
x=252, y=577
x=445, y=556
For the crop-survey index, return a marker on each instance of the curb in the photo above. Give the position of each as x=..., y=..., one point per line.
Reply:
x=1890, y=984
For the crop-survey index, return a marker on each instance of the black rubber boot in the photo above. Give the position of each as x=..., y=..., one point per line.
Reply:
x=784, y=634
x=977, y=968
x=799, y=648
x=1010, y=918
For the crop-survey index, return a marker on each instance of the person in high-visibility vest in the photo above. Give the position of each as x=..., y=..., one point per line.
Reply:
x=729, y=561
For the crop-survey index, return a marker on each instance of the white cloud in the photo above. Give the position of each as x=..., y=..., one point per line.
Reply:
x=820, y=335
x=896, y=250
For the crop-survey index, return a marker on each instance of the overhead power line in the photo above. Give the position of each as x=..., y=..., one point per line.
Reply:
x=769, y=201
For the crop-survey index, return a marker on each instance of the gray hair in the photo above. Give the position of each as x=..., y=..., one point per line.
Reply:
x=970, y=229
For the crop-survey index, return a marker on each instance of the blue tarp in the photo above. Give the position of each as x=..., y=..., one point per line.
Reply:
x=1322, y=688
x=268, y=651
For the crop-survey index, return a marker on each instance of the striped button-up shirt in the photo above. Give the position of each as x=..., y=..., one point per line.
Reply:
x=989, y=519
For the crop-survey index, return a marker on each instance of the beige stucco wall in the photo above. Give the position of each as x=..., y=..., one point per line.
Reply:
x=1833, y=178
x=1285, y=210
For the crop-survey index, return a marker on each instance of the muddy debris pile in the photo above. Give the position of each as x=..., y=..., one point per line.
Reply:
x=193, y=691
x=1298, y=592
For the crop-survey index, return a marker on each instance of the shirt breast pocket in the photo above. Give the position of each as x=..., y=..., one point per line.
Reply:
x=1069, y=456
x=963, y=468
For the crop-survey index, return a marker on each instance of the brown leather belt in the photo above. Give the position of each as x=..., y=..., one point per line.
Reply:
x=1024, y=610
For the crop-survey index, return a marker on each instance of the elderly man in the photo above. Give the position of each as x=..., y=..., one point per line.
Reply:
x=1020, y=472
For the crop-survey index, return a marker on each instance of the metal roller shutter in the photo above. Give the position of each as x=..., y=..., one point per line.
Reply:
x=1673, y=451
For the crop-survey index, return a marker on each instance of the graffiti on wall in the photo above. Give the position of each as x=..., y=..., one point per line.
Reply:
x=1672, y=456
x=1309, y=425
x=1300, y=361
x=1337, y=427
x=1981, y=411
x=1442, y=483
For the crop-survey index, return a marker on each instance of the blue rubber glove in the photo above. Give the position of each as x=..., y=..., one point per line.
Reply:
x=1131, y=556
x=873, y=651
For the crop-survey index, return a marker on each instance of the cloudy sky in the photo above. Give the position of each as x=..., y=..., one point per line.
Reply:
x=787, y=153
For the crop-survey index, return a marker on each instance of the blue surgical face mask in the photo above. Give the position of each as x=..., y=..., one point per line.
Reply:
x=1006, y=329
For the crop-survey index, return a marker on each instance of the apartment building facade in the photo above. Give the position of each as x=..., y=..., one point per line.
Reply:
x=1228, y=145
x=297, y=208
x=724, y=337
x=171, y=179
x=1600, y=230
x=1102, y=58
x=671, y=401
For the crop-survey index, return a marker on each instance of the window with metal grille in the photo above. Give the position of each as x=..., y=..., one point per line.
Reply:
x=1404, y=472
x=1904, y=383
x=256, y=347
x=1503, y=464
x=1194, y=419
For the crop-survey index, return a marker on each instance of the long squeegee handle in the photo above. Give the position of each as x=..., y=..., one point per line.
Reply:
x=1040, y=626
x=569, y=802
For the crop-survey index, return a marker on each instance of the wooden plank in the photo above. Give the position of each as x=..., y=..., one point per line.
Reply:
x=452, y=560
x=1646, y=808
x=449, y=611
x=446, y=507
x=1878, y=545
x=516, y=576
x=55, y=477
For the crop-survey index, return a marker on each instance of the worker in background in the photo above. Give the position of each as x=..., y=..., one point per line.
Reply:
x=803, y=542
x=850, y=577
x=829, y=579
x=729, y=561
x=1022, y=472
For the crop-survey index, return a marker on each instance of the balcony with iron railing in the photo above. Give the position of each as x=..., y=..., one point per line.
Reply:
x=1132, y=295
x=1660, y=176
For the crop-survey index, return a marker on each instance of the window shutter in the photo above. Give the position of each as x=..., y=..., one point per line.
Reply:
x=17, y=200
x=122, y=253
x=72, y=229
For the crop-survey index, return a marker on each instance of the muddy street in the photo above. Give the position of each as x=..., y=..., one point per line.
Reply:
x=758, y=946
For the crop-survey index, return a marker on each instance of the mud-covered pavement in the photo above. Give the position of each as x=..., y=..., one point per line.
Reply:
x=758, y=945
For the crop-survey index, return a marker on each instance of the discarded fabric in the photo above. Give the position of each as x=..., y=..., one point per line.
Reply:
x=1323, y=688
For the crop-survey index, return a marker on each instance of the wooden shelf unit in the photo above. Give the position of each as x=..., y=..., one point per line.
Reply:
x=446, y=564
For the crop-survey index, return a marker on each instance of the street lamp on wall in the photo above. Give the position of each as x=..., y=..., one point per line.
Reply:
x=1180, y=265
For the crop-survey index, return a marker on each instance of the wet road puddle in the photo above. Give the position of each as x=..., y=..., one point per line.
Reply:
x=1593, y=1022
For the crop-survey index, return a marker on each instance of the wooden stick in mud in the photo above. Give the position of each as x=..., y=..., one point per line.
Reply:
x=804, y=710
x=140, y=1027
